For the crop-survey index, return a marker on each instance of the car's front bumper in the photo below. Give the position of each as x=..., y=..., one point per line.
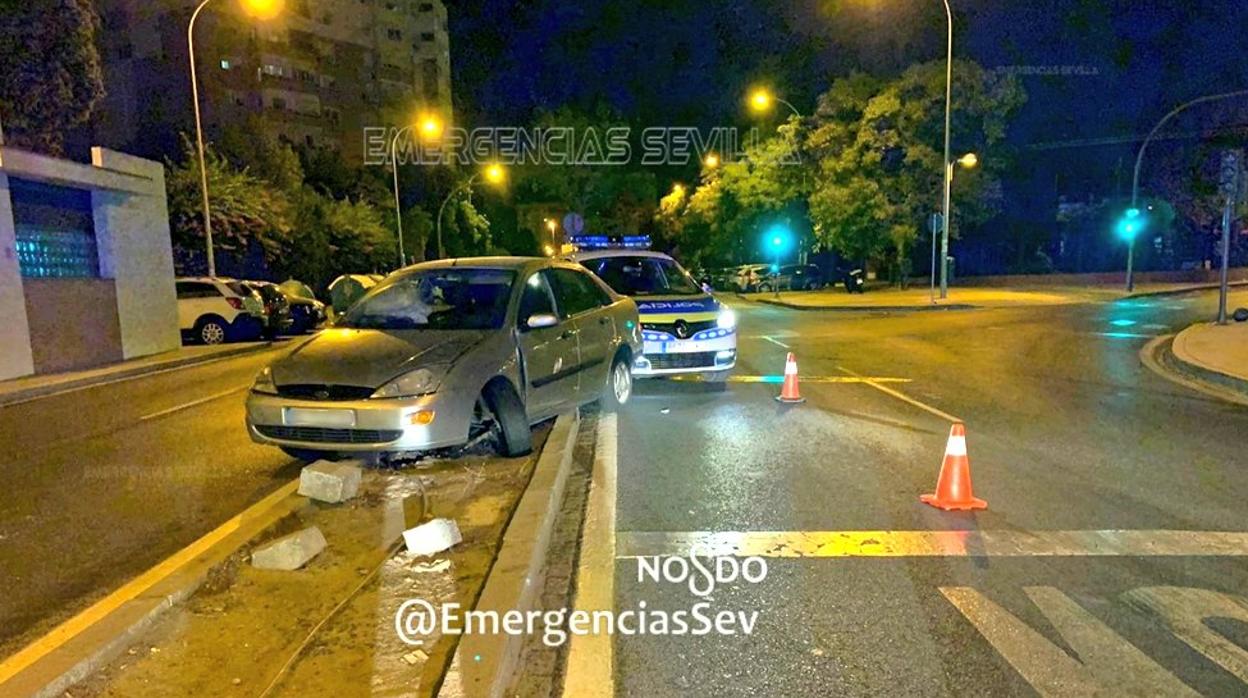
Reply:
x=371, y=425
x=662, y=356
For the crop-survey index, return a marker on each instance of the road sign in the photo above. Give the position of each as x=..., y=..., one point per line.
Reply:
x=1229, y=175
x=573, y=224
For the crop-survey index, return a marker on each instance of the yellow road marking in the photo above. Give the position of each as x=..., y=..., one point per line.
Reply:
x=694, y=378
x=991, y=543
x=875, y=383
x=71, y=628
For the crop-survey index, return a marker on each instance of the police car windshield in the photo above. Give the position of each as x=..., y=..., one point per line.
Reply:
x=644, y=276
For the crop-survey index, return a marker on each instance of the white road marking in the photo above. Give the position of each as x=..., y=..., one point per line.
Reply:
x=891, y=544
x=776, y=342
x=903, y=397
x=1184, y=611
x=591, y=662
x=695, y=378
x=193, y=403
x=1107, y=664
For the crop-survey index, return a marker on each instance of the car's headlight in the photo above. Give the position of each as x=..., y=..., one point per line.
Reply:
x=422, y=381
x=727, y=319
x=264, y=383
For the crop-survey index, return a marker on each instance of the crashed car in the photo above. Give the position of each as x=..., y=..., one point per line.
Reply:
x=449, y=352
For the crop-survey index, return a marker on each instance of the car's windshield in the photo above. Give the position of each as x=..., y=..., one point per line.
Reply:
x=644, y=276
x=443, y=299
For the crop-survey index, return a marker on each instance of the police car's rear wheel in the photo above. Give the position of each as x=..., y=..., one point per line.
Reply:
x=619, y=386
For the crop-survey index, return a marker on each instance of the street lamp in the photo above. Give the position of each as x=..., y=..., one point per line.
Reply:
x=493, y=174
x=711, y=161
x=762, y=100
x=262, y=10
x=968, y=161
x=430, y=128
x=944, y=209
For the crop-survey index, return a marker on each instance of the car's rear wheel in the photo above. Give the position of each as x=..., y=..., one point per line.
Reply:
x=210, y=330
x=619, y=387
x=509, y=419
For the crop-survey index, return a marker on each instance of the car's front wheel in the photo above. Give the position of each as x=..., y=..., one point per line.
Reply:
x=619, y=387
x=504, y=412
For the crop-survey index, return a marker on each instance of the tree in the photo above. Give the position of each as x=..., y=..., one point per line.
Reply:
x=50, y=77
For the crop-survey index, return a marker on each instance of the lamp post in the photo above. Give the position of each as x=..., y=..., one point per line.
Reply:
x=494, y=174
x=968, y=161
x=1139, y=161
x=761, y=100
x=944, y=209
x=261, y=9
x=430, y=128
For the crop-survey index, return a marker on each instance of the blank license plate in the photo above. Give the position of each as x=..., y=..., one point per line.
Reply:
x=304, y=417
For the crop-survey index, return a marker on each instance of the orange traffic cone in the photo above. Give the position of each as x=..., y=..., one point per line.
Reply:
x=953, y=487
x=789, y=392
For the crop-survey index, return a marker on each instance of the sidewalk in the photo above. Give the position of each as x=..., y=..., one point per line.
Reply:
x=914, y=299
x=1218, y=353
x=30, y=387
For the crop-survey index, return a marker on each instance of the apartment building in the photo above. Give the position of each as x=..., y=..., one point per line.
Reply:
x=317, y=74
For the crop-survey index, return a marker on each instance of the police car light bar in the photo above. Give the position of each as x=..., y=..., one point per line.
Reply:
x=611, y=242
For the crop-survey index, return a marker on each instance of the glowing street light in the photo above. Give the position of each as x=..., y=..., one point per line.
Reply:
x=711, y=161
x=430, y=128
x=259, y=9
x=762, y=100
x=493, y=173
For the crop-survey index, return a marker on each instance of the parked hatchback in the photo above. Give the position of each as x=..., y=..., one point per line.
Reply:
x=449, y=352
x=213, y=310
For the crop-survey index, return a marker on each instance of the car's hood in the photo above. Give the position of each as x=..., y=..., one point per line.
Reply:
x=371, y=358
x=671, y=308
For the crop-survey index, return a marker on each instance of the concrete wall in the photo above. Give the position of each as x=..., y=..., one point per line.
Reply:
x=15, y=354
x=73, y=323
x=132, y=236
x=65, y=323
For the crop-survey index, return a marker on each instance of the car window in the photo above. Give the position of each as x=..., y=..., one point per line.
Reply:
x=536, y=299
x=576, y=292
x=196, y=289
x=238, y=287
x=458, y=298
x=644, y=276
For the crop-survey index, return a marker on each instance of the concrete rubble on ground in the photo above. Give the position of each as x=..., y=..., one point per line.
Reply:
x=326, y=481
x=290, y=552
x=433, y=537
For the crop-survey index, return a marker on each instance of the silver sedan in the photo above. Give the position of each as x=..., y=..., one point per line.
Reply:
x=447, y=352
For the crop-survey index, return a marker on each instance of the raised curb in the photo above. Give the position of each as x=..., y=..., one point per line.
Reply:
x=1195, y=370
x=1158, y=356
x=863, y=308
x=85, y=643
x=19, y=396
x=484, y=665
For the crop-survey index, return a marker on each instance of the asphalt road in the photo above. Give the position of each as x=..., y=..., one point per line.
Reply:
x=1067, y=432
x=102, y=483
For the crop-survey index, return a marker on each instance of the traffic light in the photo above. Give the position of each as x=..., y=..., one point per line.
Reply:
x=1130, y=224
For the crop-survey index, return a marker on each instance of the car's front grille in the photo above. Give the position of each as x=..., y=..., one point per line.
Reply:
x=670, y=327
x=698, y=359
x=311, y=391
x=322, y=435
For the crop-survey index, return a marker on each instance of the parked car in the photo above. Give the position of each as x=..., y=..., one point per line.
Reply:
x=794, y=277
x=308, y=312
x=214, y=310
x=748, y=277
x=450, y=352
x=276, y=308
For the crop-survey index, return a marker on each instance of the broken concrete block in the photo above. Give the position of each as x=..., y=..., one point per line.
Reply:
x=331, y=482
x=432, y=537
x=290, y=552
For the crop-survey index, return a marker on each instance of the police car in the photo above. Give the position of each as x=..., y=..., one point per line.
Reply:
x=684, y=328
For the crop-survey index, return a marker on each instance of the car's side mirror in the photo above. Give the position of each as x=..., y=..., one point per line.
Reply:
x=540, y=320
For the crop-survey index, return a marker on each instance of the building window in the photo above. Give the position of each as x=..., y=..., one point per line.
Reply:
x=429, y=79
x=226, y=64
x=426, y=36
x=394, y=34
x=55, y=232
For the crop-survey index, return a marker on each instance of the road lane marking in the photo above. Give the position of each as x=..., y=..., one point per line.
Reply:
x=193, y=403
x=131, y=590
x=1107, y=664
x=902, y=396
x=894, y=544
x=776, y=342
x=591, y=661
x=1184, y=611
x=694, y=378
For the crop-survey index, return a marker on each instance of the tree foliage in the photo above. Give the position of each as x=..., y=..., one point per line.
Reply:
x=50, y=77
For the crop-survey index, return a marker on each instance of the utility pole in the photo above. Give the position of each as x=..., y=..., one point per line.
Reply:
x=1230, y=189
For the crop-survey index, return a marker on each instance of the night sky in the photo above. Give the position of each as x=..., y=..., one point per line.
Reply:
x=688, y=63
